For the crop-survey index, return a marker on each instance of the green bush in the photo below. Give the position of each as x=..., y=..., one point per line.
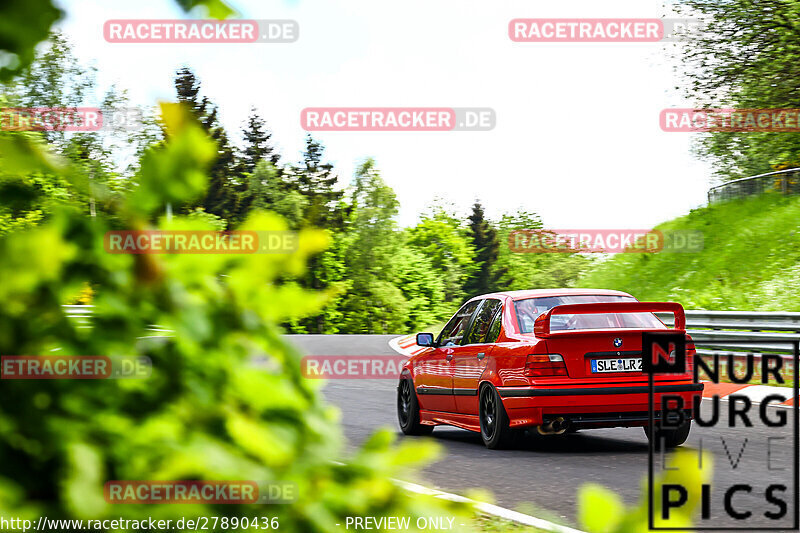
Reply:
x=207, y=412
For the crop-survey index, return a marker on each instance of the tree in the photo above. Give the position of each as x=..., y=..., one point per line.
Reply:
x=225, y=180
x=373, y=304
x=267, y=189
x=487, y=277
x=56, y=79
x=257, y=143
x=441, y=237
x=533, y=270
x=422, y=287
x=317, y=181
x=746, y=57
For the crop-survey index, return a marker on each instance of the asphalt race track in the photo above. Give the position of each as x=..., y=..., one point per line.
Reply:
x=542, y=475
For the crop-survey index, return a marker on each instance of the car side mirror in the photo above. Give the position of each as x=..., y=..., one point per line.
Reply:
x=424, y=339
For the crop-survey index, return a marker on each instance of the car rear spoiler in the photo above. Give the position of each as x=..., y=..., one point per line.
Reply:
x=541, y=327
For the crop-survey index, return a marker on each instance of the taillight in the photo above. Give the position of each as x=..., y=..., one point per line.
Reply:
x=690, y=354
x=541, y=365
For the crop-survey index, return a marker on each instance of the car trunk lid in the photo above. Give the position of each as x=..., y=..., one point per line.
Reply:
x=603, y=340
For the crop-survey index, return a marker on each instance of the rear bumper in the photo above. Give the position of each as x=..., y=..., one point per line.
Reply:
x=608, y=406
x=529, y=392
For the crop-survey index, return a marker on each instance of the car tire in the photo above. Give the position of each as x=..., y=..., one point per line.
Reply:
x=495, y=432
x=408, y=410
x=671, y=438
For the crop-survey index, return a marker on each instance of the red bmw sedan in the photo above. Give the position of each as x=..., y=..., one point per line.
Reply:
x=552, y=360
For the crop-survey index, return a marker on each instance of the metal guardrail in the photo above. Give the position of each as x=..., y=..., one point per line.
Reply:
x=767, y=331
x=82, y=313
x=754, y=332
x=709, y=329
x=783, y=181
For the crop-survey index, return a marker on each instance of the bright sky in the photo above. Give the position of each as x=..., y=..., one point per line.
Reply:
x=577, y=137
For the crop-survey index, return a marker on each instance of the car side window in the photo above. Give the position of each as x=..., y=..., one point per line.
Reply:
x=453, y=332
x=478, y=333
x=494, y=327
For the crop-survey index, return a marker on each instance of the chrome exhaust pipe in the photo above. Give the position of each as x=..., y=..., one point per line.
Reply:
x=557, y=426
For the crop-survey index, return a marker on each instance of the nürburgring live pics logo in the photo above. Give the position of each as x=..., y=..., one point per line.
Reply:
x=738, y=499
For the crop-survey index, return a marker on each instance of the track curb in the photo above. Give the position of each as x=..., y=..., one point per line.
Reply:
x=490, y=509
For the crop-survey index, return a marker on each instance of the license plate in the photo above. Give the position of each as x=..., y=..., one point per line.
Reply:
x=600, y=366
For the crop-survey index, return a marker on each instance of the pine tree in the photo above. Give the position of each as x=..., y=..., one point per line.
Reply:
x=257, y=143
x=316, y=180
x=225, y=184
x=486, y=278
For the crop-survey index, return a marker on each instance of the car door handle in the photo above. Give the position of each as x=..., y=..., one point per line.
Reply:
x=449, y=356
x=481, y=356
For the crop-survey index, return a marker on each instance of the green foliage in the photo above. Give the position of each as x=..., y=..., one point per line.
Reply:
x=23, y=24
x=374, y=303
x=26, y=198
x=750, y=260
x=222, y=195
x=600, y=510
x=534, y=270
x=316, y=180
x=487, y=275
x=206, y=412
x=217, y=9
x=440, y=236
x=208, y=219
x=745, y=57
x=56, y=79
x=176, y=171
x=422, y=288
x=267, y=188
x=257, y=147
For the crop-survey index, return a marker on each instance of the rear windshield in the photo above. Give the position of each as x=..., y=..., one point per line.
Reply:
x=528, y=310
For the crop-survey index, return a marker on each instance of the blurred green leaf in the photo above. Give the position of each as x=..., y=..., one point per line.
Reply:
x=23, y=24
x=21, y=154
x=176, y=171
x=217, y=9
x=599, y=509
